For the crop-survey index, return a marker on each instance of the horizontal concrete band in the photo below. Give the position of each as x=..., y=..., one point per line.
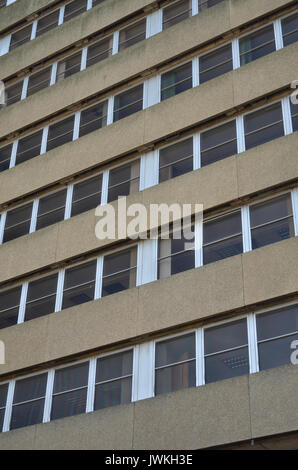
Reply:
x=218, y=413
x=141, y=129
x=222, y=183
x=235, y=283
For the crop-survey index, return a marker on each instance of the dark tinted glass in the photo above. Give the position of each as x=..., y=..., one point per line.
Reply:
x=124, y=180
x=70, y=378
x=218, y=143
x=128, y=102
x=113, y=393
x=30, y=388
x=29, y=147
x=14, y=93
x=51, y=209
x=38, y=81
x=256, y=45
x=5, y=153
x=277, y=323
x=276, y=353
x=74, y=8
x=176, y=81
x=175, y=350
x=290, y=29
x=3, y=395
x=174, y=257
x=86, y=195
x=93, y=118
x=176, y=160
x=204, y=4
x=175, y=13
x=216, y=63
x=9, y=306
x=60, y=133
x=69, y=66
x=17, y=222
x=69, y=404
x=79, y=284
x=226, y=365
x=114, y=366
x=20, y=37
x=271, y=210
x=132, y=34
x=171, y=379
x=263, y=125
x=226, y=336
x=119, y=263
x=25, y=414
x=99, y=50
x=41, y=297
x=294, y=112
x=47, y=23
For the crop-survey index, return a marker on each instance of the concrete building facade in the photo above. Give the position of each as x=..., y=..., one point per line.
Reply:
x=143, y=343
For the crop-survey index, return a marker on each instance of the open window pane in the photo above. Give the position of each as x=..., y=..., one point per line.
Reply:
x=86, y=195
x=271, y=221
x=13, y=93
x=128, y=102
x=222, y=237
x=119, y=271
x=79, y=284
x=124, y=180
x=60, y=133
x=176, y=160
x=69, y=66
x=9, y=307
x=132, y=34
x=51, y=209
x=93, y=118
x=5, y=154
x=216, y=63
x=17, y=222
x=39, y=80
x=218, y=143
x=226, y=351
x=175, y=13
x=176, y=81
x=20, y=37
x=263, y=125
x=256, y=45
x=294, y=112
x=28, y=401
x=28, y=147
x=99, y=50
x=290, y=29
x=47, y=23
x=41, y=297
x=74, y=8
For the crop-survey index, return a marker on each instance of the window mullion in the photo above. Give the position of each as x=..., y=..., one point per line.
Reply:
x=2, y=226
x=22, y=307
x=13, y=156
x=143, y=371
x=105, y=187
x=84, y=58
x=34, y=213
x=68, y=203
x=91, y=385
x=154, y=23
x=197, y=151
x=48, y=397
x=151, y=91
x=294, y=196
x=89, y=4
x=278, y=34
x=194, y=7
x=236, y=54
x=198, y=229
x=240, y=134
x=287, y=117
x=147, y=261
x=115, y=48
x=98, y=278
x=53, y=73
x=59, y=293
x=61, y=15
x=200, y=362
x=246, y=232
x=76, y=127
x=24, y=88
x=252, y=344
x=195, y=72
x=44, y=139
x=8, y=408
x=110, y=113
x=33, y=30
x=149, y=170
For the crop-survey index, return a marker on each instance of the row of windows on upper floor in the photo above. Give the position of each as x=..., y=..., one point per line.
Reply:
x=168, y=16
x=201, y=149
x=247, y=344
x=136, y=98
x=223, y=59
x=225, y=235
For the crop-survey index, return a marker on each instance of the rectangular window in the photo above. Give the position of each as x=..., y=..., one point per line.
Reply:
x=51, y=209
x=271, y=221
x=17, y=222
x=86, y=195
x=128, y=102
x=257, y=44
x=132, y=34
x=226, y=351
x=294, y=113
x=216, y=63
x=13, y=93
x=79, y=284
x=113, y=381
x=176, y=81
x=99, y=50
x=96, y=2
x=69, y=66
x=175, y=13
x=175, y=255
x=5, y=154
x=60, y=133
x=41, y=297
x=47, y=23
x=39, y=81
x=9, y=306
x=119, y=271
x=175, y=364
x=204, y=4
x=20, y=37
x=124, y=180
x=263, y=125
x=93, y=118
x=218, y=143
x=276, y=330
x=3, y=397
x=29, y=147
x=28, y=401
x=176, y=160
x=74, y=8
x=70, y=391
x=222, y=237
x=290, y=29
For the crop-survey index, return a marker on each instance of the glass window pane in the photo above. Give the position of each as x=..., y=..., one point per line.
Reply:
x=277, y=323
x=74, y=8
x=174, y=256
x=294, y=112
x=119, y=271
x=263, y=125
x=269, y=211
x=175, y=350
x=216, y=63
x=86, y=195
x=13, y=93
x=113, y=393
x=276, y=353
x=124, y=180
x=69, y=66
x=93, y=118
x=38, y=81
x=171, y=379
x=51, y=209
x=30, y=388
x=128, y=102
x=256, y=45
x=69, y=404
x=3, y=395
x=9, y=306
x=41, y=297
x=226, y=365
x=28, y=147
x=223, y=249
x=79, y=284
x=27, y=414
x=70, y=378
x=226, y=336
x=222, y=227
x=20, y=37
x=132, y=34
x=176, y=81
x=60, y=133
x=17, y=222
x=290, y=29
x=47, y=23
x=114, y=366
x=176, y=160
x=175, y=13
x=218, y=143
x=204, y=4
x=5, y=153
x=99, y=50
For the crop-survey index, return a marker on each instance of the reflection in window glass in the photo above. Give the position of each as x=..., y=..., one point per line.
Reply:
x=41, y=297
x=218, y=143
x=176, y=81
x=119, y=271
x=9, y=306
x=28, y=401
x=256, y=45
x=176, y=160
x=17, y=222
x=290, y=29
x=263, y=125
x=79, y=284
x=124, y=180
x=216, y=63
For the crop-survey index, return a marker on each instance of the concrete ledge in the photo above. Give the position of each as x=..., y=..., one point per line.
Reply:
x=20, y=10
